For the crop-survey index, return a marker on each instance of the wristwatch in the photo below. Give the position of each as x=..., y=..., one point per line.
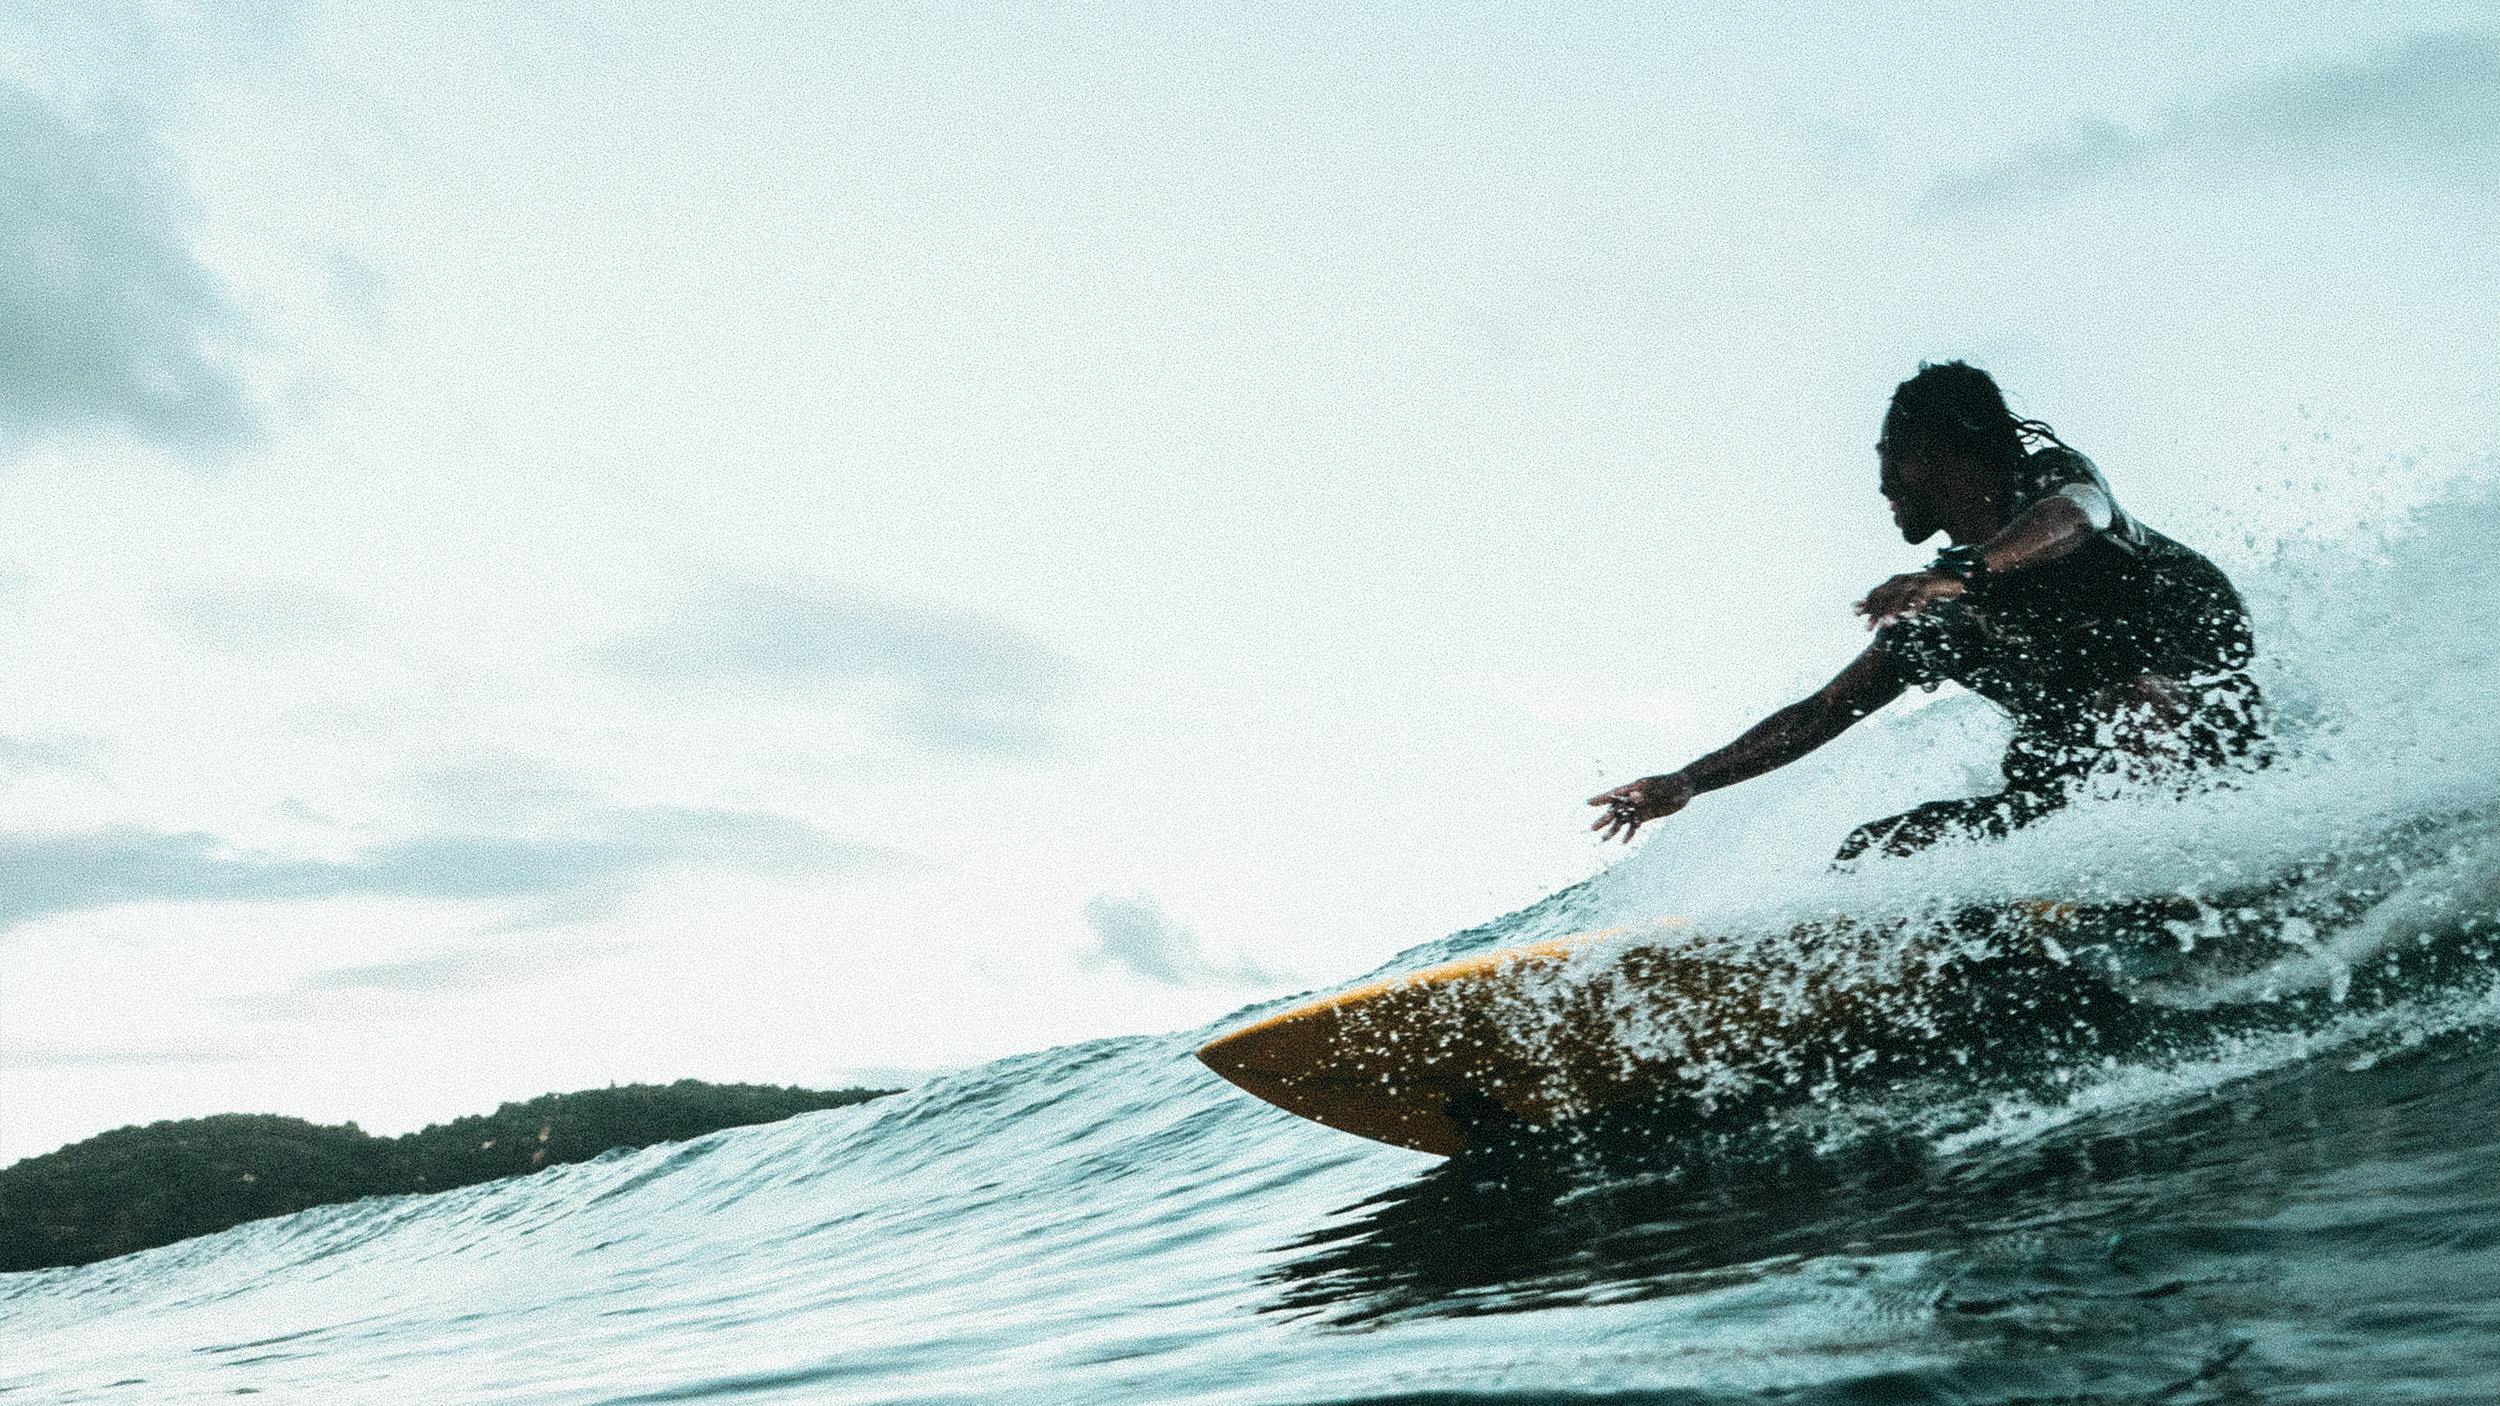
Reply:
x=1963, y=564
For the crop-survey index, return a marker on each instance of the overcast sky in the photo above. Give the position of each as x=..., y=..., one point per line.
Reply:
x=562, y=543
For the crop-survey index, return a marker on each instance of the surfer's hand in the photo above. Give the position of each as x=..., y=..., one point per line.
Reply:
x=1908, y=594
x=1630, y=807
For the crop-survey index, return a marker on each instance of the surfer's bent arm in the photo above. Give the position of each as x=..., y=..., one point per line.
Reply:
x=2043, y=532
x=1870, y=682
x=2047, y=530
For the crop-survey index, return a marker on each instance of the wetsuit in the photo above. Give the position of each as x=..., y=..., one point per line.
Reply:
x=2065, y=645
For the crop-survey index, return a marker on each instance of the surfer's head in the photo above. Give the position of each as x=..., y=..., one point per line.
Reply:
x=1948, y=442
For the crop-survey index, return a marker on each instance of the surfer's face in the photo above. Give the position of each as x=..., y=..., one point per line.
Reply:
x=1910, y=483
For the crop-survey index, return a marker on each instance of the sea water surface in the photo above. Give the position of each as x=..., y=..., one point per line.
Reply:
x=2281, y=1185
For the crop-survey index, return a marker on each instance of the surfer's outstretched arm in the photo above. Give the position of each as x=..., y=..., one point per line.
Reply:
x=1871, y=681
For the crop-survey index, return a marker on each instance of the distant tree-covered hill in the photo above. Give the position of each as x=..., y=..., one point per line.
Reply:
x=134, y=1188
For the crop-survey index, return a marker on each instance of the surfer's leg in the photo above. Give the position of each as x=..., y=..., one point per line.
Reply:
x=1970, y=818
x=2178, y=699
x=1913, y=829
x=2179, y=729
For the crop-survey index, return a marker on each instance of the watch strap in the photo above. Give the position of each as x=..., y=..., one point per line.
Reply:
x=1963, y=564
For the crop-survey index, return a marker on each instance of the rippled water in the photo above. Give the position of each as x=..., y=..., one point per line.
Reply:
x=2283, y=1185
x=2286, y=1221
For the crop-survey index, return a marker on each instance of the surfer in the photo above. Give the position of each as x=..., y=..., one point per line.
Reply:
x=2113, y=647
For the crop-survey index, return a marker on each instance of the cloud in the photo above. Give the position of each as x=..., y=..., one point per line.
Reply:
x=499, y=789
x=45, y=875
x=951, y=680
x=359, y=289
x=443, y=969
x=259, y=619
x=450, y=970
x=107, y=320
x=462, y=967
x=17, y=1055
x=153, y=51
x=51, y=752
x=2429, y=107
x=1134, y=935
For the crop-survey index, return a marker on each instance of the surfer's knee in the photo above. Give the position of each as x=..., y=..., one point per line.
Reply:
x=2155, y=727
x=1907, y=833
x=1971, y=818
x=1852, y=848
x=1866, y=837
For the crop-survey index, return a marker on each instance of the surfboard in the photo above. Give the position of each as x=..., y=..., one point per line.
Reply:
x=1529, y=1038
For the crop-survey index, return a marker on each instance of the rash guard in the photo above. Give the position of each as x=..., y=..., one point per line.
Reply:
x=2058, y=643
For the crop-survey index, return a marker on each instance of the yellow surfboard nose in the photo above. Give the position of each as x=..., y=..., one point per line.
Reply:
x=1428, y=1060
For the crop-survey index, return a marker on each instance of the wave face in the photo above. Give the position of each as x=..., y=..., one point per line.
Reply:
x=2284, y=1194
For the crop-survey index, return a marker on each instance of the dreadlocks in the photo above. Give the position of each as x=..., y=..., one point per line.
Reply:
x=1954, y=407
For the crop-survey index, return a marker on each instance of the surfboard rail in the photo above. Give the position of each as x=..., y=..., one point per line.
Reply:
x=1527, y=1038
x=1432, y=1059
